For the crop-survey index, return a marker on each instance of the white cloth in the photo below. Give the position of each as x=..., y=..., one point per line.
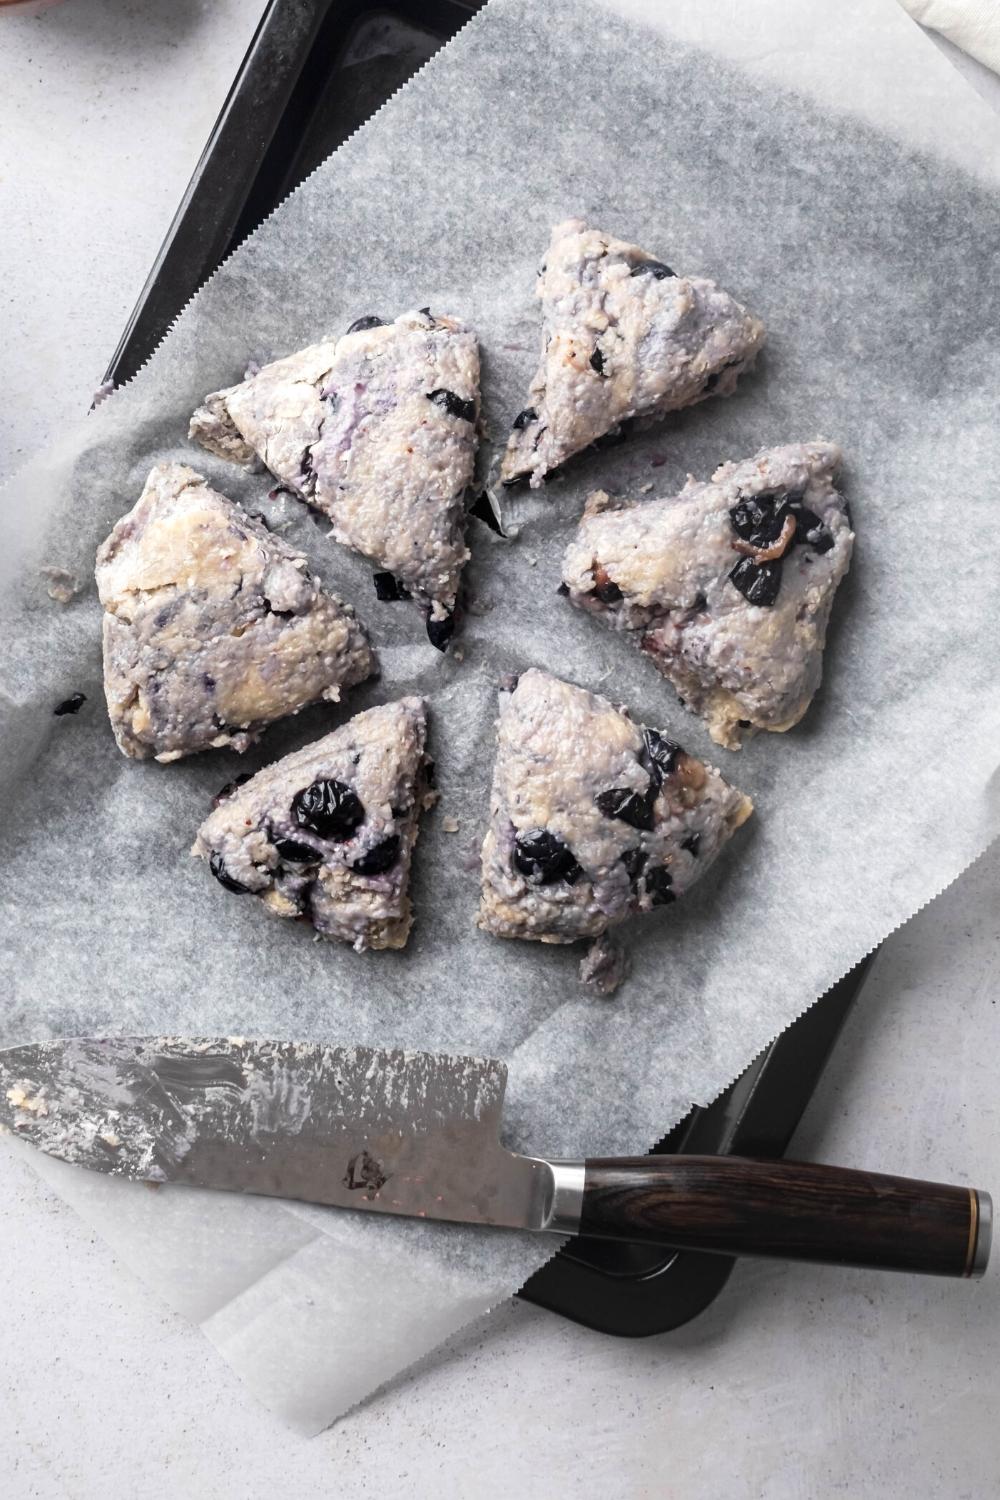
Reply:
x=973, y=25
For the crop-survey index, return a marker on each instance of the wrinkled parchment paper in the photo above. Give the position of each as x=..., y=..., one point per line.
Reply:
x=831, y=170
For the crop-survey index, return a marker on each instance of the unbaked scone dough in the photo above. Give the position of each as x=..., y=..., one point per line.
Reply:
x=377, y=429
x=592, y=817
x=625, y=339
x=327, y=833
x=213, y=628
x=727, y=586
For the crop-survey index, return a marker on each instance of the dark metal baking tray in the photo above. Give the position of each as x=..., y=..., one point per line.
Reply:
x=314, y=72
x=635, y=1290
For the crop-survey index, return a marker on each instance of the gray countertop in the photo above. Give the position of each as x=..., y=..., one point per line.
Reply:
x=796, y=1382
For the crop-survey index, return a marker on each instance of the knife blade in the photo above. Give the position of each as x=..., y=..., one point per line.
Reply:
x=351, y=1127
x=419, y=1135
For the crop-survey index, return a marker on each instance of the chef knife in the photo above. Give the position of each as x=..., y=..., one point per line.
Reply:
x=418, y=1134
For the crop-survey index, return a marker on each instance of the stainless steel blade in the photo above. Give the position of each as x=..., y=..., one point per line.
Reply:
x=387, y=1131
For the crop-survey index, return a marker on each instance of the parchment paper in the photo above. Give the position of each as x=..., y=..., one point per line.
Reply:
x=827, y=167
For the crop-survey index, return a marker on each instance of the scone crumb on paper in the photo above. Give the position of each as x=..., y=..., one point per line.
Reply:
x=63, y=585
x=450, y=824
x=603, y=966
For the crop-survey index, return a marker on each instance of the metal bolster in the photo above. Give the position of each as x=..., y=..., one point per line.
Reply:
x=981, y=1234
x=566, y=1205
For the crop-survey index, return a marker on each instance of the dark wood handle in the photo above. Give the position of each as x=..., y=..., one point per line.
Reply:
x=796, y=1210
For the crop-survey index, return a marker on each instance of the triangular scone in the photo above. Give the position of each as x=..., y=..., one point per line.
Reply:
x=624, y=337
x=327, y=833
x=378, y=430
x=728, y=586
x=213, y=627
x=592, y=817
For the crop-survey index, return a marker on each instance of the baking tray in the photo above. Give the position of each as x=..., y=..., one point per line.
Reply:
x=314, y=72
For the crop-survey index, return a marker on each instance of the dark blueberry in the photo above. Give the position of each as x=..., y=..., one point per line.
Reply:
x=379, y=859
x=455, y=406
x=757, y=582
x=634, y=861
x=714, y=378
x=627, y=806
x=208, y=682
x=617, y=434
x=70, y=705
x=426, y=312
x=758, y=519
x=743, y=723
x=388, y=587
x=370, y=322
x=658, y=883
x=692, y=843
x=295, y=853
x=222, y=875
x=230, y=787
x=608, y=593
x=809, y=529
x=660, y=755
x=563, y=589
x=542, y=857
x=652, y=268
x=524, y=417
x=328, y=808
x=597, y=362
x=440, y=632
x=699, y=602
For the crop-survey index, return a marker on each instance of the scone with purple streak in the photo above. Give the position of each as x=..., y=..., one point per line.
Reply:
x=377, y=430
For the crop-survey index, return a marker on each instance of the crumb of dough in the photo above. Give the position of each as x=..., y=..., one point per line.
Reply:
x=450, y=824
x=63, y=585
x=603, y=966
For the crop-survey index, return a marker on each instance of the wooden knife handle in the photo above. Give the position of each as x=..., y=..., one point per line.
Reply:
x=796, y=1210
